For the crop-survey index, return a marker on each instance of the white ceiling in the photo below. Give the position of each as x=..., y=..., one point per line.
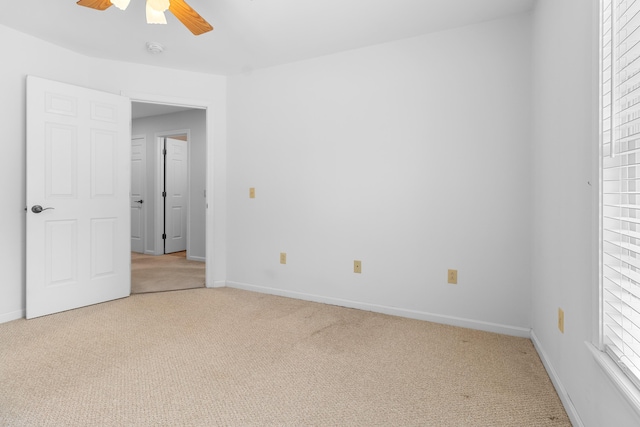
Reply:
x=248, y=34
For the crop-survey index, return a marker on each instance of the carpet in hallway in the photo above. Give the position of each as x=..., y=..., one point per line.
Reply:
x=168, y=272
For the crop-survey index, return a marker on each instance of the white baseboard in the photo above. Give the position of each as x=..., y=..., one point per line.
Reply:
x=562, y=392
x=14, y=315
x=219, y=284
x=197, y=258
x=394, y=311
x=148, y=252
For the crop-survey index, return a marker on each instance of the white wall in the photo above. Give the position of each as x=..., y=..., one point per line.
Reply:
x=27, y=55
x=195, y=122
x=411, y=156
x=564, y=261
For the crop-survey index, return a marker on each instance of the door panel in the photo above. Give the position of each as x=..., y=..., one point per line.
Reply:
x=177, y=200
x=103, y=247
x=61, y=162
x=61, y=248
x=104, y=165
x=78, y=172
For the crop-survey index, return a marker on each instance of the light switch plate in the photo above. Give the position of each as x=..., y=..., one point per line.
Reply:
x=561, y=320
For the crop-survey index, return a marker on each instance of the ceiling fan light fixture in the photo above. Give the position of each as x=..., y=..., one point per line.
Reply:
x=155, y=17
x=121, y=4
x=156, y=12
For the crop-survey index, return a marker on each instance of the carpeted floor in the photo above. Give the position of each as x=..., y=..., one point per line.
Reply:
x=170, y=272
x=226, y=357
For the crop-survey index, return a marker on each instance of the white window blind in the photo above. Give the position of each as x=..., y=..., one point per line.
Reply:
x=620, y=132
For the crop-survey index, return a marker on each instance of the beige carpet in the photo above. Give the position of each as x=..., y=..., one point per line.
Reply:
x=227, y=357
x=169, y=272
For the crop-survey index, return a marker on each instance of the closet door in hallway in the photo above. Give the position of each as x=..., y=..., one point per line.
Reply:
x=177, y=195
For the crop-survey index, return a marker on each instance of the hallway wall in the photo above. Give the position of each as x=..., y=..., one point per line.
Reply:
x=195, y=121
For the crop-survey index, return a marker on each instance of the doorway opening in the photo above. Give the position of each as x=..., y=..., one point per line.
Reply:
x=168, y=192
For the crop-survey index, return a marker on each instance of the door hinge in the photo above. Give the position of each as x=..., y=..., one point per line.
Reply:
x=164, y=151
x=164, y=237
x=164, y=194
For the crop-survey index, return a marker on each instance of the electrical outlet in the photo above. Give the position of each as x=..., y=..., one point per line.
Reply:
x=561, y=320
x=283, y=257
x=452, y=277
x=252, y=193
x=357, y=267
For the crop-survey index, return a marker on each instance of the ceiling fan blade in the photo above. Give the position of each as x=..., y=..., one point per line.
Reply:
x=95, y=4
x=189, y=17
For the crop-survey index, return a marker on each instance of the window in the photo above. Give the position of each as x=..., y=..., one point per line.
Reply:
x=620, y=174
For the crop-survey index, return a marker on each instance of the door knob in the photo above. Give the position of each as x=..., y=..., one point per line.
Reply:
x=139, y=201
x=38, y=209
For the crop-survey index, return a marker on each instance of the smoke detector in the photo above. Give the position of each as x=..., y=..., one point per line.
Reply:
x=155, y=48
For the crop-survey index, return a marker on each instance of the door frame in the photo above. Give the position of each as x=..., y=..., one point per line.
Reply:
x=160, y=170
x=210, y=176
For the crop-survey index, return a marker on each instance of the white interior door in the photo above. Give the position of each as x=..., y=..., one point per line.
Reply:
x=177, y=195
x=78, y=172
x=137, y=193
